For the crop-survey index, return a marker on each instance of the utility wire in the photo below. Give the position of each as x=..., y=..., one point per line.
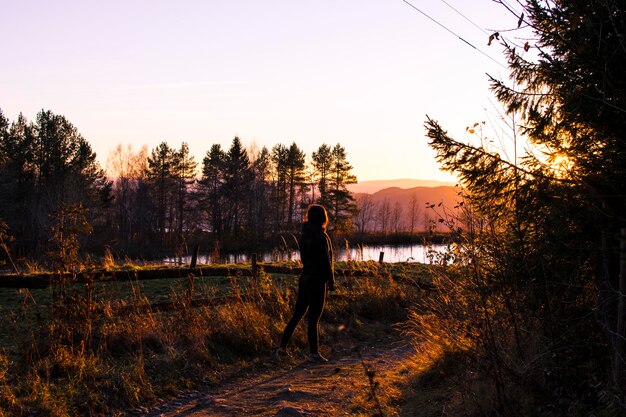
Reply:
x=465, y=17
x=472, y=22
x=452, y=33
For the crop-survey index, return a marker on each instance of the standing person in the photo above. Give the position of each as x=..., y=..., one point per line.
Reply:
x=316, y=253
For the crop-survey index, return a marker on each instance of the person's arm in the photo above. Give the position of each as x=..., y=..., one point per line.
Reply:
x=329, y=270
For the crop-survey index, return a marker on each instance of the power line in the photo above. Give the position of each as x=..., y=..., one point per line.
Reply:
x=502, y=2
x=465, y=17
x=452, y=33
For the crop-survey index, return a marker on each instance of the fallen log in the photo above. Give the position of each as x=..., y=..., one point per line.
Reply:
x=43, y=280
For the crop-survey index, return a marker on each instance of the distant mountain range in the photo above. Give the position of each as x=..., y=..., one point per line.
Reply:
x=444, y=197
x=370, y=187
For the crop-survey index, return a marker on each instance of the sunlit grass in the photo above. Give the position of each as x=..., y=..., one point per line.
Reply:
x=114, y=345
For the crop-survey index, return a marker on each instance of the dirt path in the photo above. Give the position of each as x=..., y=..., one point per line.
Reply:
x=292, y=388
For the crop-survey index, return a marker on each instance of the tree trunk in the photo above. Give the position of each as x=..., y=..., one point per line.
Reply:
x=620, y=336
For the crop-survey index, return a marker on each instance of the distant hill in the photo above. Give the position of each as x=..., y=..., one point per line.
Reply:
x=444, y=198
x=371, y=187
x=432, y=195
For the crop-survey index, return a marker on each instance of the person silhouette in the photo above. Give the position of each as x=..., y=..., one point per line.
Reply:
x=316, y=254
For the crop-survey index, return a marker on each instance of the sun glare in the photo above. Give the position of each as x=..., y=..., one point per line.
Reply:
x=561, y=164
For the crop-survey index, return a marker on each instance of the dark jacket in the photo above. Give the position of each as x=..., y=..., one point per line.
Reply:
x=316, y=253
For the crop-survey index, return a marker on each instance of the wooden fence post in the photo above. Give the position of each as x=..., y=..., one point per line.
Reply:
x=194, y=256
x=255, y=267
x=381, y=257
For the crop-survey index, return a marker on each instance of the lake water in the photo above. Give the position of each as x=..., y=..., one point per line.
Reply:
x=392, y=253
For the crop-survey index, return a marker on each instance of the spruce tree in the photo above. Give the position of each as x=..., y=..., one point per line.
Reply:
x=295, y=178
x=212, y=183
x=185, y=173
x=321, y=168
x=237, y=186
x=342, y=205
x=260, y=210
x=280, y=156
x=162, y=179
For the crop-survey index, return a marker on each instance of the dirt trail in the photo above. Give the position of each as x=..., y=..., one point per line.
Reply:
x=296, y=388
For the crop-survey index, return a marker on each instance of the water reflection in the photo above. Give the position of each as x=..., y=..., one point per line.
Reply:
x=403, y=253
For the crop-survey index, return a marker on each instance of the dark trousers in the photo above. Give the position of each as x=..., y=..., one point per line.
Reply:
x=311, y=296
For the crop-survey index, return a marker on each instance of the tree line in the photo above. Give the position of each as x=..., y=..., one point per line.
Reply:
x=163, y=199
x=385, y=217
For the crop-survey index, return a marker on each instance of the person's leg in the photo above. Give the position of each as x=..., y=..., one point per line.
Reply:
x=302, y=303
x=316, y=307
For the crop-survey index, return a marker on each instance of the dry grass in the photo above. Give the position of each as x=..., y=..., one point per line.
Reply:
x=89, y=352
x=479, y=354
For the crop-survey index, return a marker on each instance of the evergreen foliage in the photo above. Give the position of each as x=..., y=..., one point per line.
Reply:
x=340, y=200
x=45, y=166
x=543, y=230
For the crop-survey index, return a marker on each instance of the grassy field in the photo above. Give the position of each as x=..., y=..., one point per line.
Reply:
x=99, y=348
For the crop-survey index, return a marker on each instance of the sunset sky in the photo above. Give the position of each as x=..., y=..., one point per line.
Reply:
x=362, y=73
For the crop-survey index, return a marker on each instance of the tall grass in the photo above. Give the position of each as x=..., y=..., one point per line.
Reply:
x=89, y=351
x=503, y=344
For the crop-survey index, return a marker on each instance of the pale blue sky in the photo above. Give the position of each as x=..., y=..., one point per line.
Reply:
x=361, y=73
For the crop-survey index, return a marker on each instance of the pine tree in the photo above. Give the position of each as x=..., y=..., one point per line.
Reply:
x=185, y=173
x=261, y=167
x=212, y=183
x=237, y=186
x=17, y=176
x=322, y=161
x=340, y=200
x=280, y=156
x=162, y=179
x=295, y=178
